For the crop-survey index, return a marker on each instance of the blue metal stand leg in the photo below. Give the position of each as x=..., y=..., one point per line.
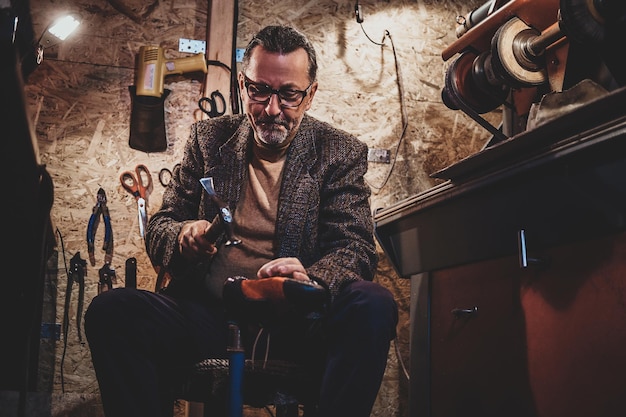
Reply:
x=235, y=369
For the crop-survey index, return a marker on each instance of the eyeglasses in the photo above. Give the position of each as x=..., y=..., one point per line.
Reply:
x=262, y=93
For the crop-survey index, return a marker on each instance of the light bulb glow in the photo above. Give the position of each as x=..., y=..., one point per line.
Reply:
x=63, y=27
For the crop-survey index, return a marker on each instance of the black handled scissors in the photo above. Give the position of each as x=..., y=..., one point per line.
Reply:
x=214, y=108
x=138, y=183
x=165, y=175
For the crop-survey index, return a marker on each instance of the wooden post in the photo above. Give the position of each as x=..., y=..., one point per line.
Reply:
x=220, y=47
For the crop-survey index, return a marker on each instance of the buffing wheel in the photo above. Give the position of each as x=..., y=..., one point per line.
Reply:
x=509, y=57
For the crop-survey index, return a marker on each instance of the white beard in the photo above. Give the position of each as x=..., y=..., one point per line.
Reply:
x=273, y=136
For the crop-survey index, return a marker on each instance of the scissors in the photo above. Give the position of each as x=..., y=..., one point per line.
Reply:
x=214, y=108
x=165, y=175
x=137, y=183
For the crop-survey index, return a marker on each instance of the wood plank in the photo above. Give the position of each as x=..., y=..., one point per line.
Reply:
x=220, y=46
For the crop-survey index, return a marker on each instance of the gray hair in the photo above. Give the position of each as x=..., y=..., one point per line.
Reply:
x=283, y=40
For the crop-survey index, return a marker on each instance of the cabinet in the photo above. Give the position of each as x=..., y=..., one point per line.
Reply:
x=477, y=341
x=517, y=264
x=543, y=341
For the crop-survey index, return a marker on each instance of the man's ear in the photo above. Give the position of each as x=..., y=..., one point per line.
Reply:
x=242, y=87
x=310, y=95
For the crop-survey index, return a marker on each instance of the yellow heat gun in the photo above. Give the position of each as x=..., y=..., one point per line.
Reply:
x=152, y=67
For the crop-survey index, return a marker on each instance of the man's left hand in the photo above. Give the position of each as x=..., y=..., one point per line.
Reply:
x=283, y=267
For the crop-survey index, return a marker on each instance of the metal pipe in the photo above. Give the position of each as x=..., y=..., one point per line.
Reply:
x=537, y=45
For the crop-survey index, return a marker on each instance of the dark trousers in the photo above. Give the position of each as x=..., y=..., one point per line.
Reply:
x=138, y=338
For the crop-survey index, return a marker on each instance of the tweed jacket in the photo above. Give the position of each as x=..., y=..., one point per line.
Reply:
x=324, y=217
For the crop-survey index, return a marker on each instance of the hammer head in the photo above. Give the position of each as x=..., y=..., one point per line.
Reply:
x=223, y=222
x=207, y=184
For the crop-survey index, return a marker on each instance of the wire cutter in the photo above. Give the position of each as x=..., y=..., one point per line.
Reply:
x=100, y=209
x=138, y=183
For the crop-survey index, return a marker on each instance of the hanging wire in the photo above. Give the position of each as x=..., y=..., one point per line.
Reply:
x=405, y=120
x=403, y=111
x=382, y=43
x=66, y=320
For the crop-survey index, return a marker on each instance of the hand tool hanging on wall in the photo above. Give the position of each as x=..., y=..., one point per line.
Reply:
x=213, y=106
x=138, y=183
x=130, y=277
x=165, y=175
x=100, y=209
x=147, y=117
x=107, y=278
x=76, y=274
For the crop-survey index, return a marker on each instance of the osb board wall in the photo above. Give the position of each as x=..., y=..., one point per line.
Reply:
x=381, y=81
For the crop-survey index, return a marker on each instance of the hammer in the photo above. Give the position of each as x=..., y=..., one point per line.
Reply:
x=223, y=221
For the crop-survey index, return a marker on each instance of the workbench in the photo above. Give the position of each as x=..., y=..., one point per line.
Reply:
x=517, y=262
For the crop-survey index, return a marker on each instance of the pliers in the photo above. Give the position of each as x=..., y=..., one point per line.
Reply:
x=100, y=209
x=76, y=274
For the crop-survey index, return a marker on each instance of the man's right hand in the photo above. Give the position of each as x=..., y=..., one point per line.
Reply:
x=192, y=242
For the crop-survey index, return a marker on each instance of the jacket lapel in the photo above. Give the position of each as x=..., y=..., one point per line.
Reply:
x=298, y=191
x=233, y=162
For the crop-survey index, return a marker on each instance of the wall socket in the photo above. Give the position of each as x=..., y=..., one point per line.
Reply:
x=379, y=155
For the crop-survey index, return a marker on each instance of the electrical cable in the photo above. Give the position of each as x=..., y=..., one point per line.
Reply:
x=218, y=64
x=400, y=360
x=256, y=341
x=405, y=123
x=267, y=350
x=358, y=14
x=234, y=85
x=370, y=39
x=66, y=320
x=403, y=112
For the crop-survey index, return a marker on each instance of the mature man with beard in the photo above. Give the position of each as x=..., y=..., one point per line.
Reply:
x=300, y=206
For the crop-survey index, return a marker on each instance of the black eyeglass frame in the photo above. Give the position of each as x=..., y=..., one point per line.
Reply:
x=248, y=82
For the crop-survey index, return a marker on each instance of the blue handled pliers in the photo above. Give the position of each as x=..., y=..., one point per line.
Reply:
x=100, y=209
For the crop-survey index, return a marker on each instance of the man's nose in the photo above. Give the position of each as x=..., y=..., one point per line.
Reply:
x=273, y=106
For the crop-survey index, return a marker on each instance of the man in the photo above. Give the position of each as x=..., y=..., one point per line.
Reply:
x=301, y=209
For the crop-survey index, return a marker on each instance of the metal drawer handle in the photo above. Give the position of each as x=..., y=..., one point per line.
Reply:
x=524, y=260
x=464, y=312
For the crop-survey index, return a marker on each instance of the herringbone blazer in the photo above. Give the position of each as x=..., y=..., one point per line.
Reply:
x=324, y=215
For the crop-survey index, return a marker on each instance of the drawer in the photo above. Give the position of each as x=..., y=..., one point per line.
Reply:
x=477, y=341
